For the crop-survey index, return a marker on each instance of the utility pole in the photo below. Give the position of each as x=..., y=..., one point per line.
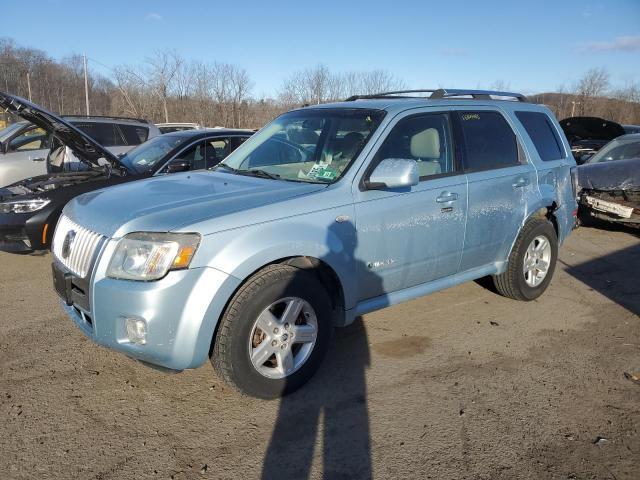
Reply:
x=86, y=83
x=29, y=85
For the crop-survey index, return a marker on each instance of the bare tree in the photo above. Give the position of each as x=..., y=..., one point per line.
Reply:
x=593, y=83
x=163, y=68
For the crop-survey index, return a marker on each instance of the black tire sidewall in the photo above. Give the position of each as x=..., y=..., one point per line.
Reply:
x=299, y=284
x=539, y=229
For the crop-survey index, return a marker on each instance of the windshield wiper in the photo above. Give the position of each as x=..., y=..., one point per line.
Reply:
x=225, y=166
x=259, y=173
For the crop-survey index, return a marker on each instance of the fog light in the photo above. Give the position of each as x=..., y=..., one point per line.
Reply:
x=136, y=329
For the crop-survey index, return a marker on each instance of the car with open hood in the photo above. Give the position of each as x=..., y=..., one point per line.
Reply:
x=29, y=209
x=587, y=135
x=327, y=213
x=609, y=182
x=24, y=146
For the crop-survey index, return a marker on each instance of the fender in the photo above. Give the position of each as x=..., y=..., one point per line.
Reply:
x=322, y=235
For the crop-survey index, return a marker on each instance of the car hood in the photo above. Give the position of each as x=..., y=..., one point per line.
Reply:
x=590, y=128
x=613, y=175
x=174, y=202
x=43, y=185
x=86, y=148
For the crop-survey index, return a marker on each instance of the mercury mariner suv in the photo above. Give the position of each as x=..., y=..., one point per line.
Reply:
x=325, y=214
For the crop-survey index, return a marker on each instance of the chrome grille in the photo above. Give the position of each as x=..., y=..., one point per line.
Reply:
x=75, y=251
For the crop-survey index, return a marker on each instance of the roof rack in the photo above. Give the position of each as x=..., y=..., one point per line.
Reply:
x=110, y=117
x=441, y=93
x=396, y=94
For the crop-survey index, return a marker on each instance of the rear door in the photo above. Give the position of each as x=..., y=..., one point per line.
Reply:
x=553, y=161
x=410, y=236
x=499, y=181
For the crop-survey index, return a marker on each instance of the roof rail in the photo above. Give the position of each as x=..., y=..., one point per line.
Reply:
x=109, y=117
x=396, y=93
x=441, y=93
x=476, y=94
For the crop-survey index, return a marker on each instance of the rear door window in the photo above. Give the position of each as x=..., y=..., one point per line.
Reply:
x=106, y=134
x=489, y=141
x=543, y=135
x=134, y=134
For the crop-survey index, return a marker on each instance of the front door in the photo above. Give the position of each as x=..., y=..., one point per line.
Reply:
x=411, y=236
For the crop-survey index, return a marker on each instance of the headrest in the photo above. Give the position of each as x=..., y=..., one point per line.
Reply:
x=426, y=144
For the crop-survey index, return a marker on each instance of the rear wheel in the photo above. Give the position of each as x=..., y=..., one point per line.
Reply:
x=274, y=333
x=531, y=263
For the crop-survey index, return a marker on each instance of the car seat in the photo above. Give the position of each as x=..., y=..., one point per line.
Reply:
x=425, y=148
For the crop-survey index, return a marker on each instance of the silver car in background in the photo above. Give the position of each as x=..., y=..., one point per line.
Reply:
x=24, y=146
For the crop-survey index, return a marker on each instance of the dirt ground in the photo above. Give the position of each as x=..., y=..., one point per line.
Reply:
x=459, y=384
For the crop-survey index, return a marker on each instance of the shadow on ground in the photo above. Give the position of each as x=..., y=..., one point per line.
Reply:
x=336, y=400
x=615, y=275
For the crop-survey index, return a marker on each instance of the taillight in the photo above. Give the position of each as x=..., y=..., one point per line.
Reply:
x=574, y=181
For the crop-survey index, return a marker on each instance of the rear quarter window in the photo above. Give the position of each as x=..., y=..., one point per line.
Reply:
x=134, y=134
x=489, y=141
x=543, y=135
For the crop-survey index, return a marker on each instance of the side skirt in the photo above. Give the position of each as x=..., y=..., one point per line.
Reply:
x=399, y=296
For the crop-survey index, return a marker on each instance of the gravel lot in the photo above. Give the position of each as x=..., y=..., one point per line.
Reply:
x=459, y=384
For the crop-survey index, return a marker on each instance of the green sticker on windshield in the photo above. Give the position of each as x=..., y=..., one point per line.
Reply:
x=326, y=174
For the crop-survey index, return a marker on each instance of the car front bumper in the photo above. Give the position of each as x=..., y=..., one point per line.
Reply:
x=181, y=312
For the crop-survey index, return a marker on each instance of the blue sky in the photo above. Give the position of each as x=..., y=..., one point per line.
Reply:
x=532, y=47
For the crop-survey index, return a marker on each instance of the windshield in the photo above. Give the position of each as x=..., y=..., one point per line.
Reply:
x=8, y=131
x=150, y=153
x=308, y=145
x=618, y=149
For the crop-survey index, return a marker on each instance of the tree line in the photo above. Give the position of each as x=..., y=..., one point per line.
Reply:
x=168, y=87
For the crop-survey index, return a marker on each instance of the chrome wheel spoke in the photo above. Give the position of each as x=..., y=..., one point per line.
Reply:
x=292, y=311
x=542, y=244
x=305, y=334
x=267, y=321
x=543, y=266
x=285, y=361
x=262, y=353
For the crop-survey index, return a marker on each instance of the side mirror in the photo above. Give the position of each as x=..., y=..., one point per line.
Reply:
x=394, y=173
x=178, y=166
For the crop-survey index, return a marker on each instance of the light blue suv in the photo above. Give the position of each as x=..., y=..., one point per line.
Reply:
x=327, y=213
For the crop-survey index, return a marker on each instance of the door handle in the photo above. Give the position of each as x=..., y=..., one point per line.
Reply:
x=445, y=197
x=520, y=182
x=38, y=159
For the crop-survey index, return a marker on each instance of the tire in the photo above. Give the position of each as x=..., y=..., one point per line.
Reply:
x=519, y=284
x=264, y=305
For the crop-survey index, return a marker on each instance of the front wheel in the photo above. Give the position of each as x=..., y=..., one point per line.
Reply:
x=531, y=263
x=274, y=332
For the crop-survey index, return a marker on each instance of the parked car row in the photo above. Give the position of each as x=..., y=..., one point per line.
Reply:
x=24, y=146
x=77, y=163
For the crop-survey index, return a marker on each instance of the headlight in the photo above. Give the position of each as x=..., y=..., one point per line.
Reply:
x=150, y=256
x=24, y=206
